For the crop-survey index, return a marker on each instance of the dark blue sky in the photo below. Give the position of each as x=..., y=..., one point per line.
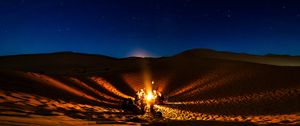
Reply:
x=121, y=28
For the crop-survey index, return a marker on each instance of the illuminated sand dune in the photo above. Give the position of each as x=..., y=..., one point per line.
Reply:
x=31, y=110
x=178, y=114
x=256, y=97
x=108, y=86
x=222, y=79
x=253, y=104
x=135, y=81
x=92, y=89
x=194, y=85
x=48, y=80
x=195, y=88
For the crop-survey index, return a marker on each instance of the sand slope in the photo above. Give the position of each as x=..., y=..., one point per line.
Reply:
x=272, y=59
x=201, y=85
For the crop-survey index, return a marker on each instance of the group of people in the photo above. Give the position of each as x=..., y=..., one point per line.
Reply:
x=140, y=99
x=143, y=101
x=143, y=98
x=153, y=97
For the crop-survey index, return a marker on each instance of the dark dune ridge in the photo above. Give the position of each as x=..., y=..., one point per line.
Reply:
x=200, y=85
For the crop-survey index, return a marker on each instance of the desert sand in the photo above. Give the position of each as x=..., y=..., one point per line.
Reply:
x=203, y=87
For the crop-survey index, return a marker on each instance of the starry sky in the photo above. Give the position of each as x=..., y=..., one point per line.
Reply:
x=122, y=28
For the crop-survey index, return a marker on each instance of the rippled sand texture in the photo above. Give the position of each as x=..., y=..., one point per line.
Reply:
x=77, y=89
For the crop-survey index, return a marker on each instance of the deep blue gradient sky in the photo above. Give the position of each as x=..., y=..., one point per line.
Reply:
x=121, y=28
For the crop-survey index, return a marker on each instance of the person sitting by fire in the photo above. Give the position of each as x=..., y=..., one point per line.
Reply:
x=159, y=98
x=140, y=99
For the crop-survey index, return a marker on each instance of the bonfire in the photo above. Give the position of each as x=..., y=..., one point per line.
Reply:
x=144, y=101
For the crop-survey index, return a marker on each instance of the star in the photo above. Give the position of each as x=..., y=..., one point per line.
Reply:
x=205, y=15
x=68, y=29
x=270, y=27
x=228, y=15
x=133, y=18
x=61, y=3
x=283, y=7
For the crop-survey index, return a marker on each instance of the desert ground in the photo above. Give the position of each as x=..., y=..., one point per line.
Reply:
x=203, y=87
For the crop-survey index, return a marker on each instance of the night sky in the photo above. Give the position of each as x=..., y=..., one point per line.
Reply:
x=122, y=28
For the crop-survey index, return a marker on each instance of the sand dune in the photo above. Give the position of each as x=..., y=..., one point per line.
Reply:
x=271, y=59
x=202, y=86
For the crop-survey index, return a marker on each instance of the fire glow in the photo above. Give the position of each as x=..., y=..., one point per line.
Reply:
x=148, y=97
